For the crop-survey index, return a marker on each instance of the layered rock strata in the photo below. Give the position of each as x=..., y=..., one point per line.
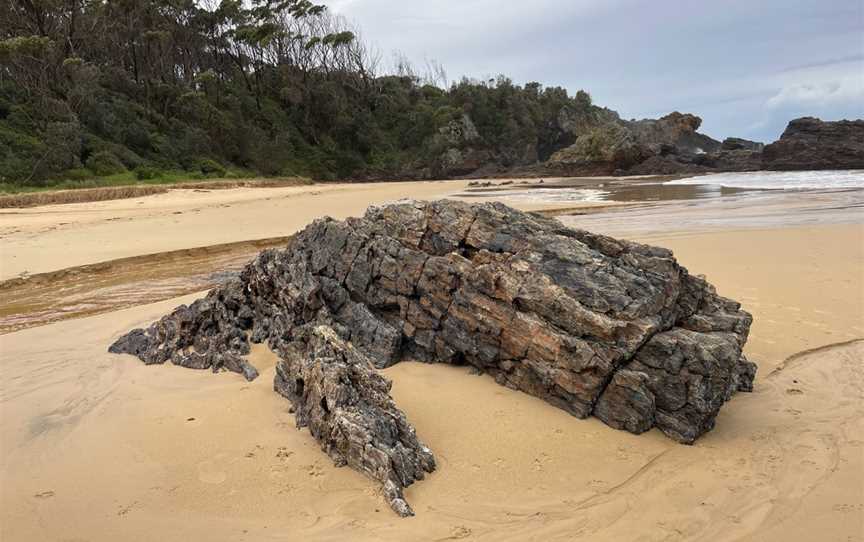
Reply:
x=590, y=324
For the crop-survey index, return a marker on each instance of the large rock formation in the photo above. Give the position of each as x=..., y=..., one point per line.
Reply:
x=670, y=144
x=677, y=129
x=809, y=143
x=590, y=324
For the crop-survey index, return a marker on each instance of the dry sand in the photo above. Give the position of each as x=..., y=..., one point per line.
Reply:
x=100, y=447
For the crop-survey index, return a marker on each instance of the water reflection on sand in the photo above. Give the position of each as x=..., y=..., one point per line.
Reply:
x=626, y=206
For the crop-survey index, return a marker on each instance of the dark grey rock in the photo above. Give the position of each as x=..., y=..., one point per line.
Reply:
x=588, y=323
x=337, y=393
x=809, y=143
x=627, y=402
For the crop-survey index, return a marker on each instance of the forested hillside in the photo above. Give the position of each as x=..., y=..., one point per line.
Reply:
x=92, y=88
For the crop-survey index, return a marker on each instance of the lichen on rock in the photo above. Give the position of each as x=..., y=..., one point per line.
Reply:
x=590, y=324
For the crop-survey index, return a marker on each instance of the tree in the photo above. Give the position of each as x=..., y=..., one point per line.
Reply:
x=272, y=86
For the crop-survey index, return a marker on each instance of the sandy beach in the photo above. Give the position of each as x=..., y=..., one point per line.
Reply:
x=99, y=447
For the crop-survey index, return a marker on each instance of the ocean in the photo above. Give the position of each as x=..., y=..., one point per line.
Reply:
x=780, y=180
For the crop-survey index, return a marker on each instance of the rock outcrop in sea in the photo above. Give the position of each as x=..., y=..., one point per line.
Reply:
x=590, y=324
x=611, y=145
x=811, y=144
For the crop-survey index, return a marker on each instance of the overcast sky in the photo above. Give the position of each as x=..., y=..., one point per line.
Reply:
x=745, y=66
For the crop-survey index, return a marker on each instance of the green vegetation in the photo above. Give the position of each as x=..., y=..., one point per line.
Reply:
x=96, y=93
x=144, y=175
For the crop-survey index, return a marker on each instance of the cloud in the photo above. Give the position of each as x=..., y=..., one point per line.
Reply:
x=743, y=66
x=830, y=90
x=848, y=91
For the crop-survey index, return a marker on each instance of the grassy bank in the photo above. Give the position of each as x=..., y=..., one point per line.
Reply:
x=118, y=187
x=126, y=178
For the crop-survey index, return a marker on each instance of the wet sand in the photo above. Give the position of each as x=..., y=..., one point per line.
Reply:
x=101, y=447
x=108, y=286
x=644, y=207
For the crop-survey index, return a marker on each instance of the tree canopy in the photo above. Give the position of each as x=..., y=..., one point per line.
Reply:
x=272, y=87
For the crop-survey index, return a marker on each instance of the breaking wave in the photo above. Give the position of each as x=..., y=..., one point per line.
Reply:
x=780, y=180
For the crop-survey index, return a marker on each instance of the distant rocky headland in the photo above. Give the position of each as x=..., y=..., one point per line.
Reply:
x=605, y=144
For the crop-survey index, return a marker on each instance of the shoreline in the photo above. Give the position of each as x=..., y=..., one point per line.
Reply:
x=111, y=192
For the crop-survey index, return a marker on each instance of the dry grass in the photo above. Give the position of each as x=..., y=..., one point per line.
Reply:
x=34, y=199
x=57, y=197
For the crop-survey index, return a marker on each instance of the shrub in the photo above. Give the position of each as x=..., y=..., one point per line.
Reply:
x=94, y=144
x=104, y=163
x=211, y=168
x=63, y=141
x=137, y=138
x=146, y=173
x=19, y=154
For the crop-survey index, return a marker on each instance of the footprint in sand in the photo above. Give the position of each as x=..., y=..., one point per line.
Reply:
x=209, y=473
x=283, y=454
x=458, y=533
x=123, y=510
x=287, y=490
x=314, y=470
x=540, y=461
x=622, y=453
x=251, y=454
